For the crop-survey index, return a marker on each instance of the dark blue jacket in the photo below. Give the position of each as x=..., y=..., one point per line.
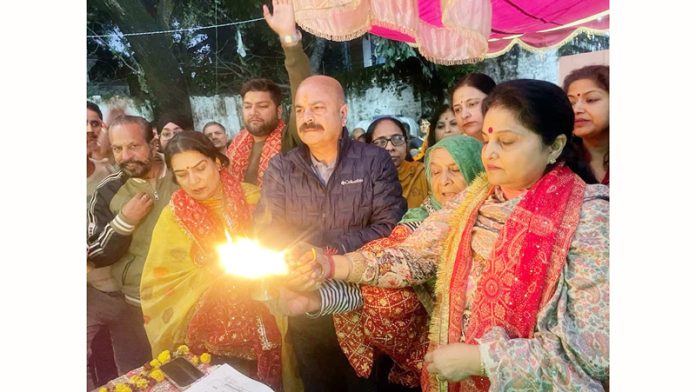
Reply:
x=361, y=201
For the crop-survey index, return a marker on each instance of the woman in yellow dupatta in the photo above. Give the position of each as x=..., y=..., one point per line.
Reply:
x=521, y=259
x=186, y=296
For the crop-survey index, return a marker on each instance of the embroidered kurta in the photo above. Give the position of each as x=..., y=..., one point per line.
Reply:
x=395, y=321
x=569, y=349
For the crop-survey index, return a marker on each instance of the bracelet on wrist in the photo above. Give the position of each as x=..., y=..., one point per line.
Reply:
x=332, y=267
x=291, y=39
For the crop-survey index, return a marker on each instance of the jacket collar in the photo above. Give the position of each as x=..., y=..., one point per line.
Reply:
x=343, y=145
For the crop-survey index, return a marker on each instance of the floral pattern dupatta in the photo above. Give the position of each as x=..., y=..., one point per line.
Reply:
x=392, y=320
x=522, y=271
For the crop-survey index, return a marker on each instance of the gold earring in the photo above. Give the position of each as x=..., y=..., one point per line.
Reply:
x=552, y=161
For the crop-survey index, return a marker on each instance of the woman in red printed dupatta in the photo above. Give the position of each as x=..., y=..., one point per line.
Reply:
x=186, y=296
x=521, y=259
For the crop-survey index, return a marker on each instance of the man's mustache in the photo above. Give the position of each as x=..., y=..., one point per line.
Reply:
x=124, y=163
x=305, y=126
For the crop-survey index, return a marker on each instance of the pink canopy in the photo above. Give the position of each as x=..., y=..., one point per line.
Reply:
x=456, y=31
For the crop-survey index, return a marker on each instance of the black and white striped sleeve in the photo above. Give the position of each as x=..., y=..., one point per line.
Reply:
x=108, y=235
x=338, y=296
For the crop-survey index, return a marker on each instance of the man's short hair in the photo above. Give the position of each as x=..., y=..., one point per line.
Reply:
x=261, y=84
x=144, y=125
x=209, y=123
x=95, y=108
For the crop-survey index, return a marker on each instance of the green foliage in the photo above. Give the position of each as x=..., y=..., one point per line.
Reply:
x=210, y=63
x=207, y=57
x=583, y=43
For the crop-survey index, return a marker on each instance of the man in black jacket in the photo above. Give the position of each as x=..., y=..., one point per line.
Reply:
x=334, y=193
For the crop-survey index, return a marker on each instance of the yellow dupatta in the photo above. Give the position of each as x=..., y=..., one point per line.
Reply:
x=172, y=283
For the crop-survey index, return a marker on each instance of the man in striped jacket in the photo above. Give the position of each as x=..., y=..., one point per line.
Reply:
x=122, y=214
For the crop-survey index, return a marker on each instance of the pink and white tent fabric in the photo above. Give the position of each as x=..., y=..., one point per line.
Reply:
x=456, y=31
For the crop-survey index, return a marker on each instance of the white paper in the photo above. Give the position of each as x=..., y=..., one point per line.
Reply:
x=226, y=379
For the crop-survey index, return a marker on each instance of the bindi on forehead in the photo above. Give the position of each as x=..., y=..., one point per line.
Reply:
x=490, y=129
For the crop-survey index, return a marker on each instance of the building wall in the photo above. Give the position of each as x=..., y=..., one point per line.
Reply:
x=227, y=110
x=521, y=64
x=377, y=101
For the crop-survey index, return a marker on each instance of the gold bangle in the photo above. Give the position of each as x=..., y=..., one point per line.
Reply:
x=483, y=368
x=357, y=267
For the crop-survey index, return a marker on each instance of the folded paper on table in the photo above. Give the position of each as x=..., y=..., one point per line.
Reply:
x=226, y=379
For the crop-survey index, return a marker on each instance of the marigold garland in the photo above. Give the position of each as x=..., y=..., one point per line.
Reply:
x=150, y=374
x=164, y=357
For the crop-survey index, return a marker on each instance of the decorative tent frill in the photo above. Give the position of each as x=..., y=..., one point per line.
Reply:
x=549, y=39
x=456, y=31
x=447, y=32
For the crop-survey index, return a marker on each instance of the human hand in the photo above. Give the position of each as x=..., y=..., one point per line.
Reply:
x=308, y=267
x=293, y=303
x=137, y=208
x=282, y=21
x=454, y=361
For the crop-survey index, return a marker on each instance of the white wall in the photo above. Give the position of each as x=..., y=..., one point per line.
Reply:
x=223, y=109
x=523, y=65
x=377, y=101
x=227, y=109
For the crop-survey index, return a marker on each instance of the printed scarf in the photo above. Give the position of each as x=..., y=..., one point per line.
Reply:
x=523, y=269
x=391, y=321
x=241, y=147
x=226, y=321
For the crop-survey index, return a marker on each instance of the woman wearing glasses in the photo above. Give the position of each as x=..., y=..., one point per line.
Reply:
x=389, y=133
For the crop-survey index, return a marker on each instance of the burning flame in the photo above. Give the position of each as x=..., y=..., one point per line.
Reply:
x=246, y=258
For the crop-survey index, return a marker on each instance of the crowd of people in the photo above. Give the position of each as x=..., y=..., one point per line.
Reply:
x=481, y=263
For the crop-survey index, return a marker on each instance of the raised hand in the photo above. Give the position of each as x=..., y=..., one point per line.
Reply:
x=282, y=21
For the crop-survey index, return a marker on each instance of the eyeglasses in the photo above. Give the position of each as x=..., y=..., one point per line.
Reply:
x=396, y=140
x=94, y=123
